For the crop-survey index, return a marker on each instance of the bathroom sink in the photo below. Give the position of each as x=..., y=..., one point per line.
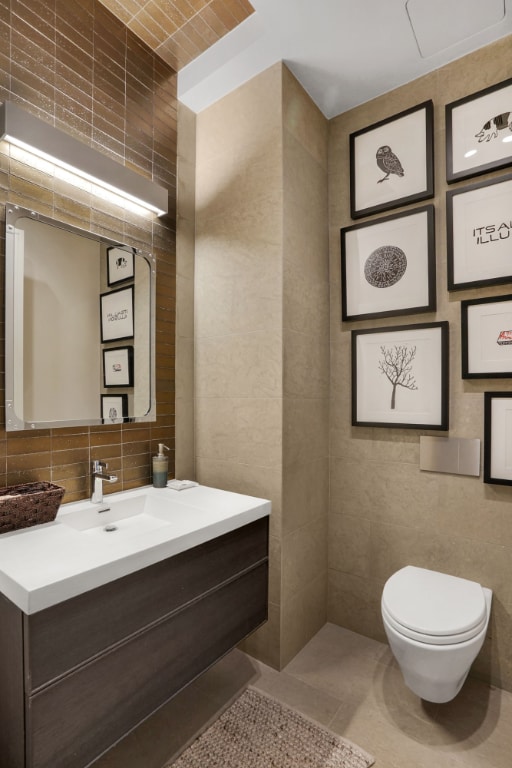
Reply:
x=133, y=525
x=83, y=548
x=129, y=516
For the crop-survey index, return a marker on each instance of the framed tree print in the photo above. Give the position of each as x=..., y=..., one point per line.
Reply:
x=486, y=337
x=479, y=233
x=388, y=266
x=498, y=438
x=400, y=376
x=479, y=132
x=391, y=162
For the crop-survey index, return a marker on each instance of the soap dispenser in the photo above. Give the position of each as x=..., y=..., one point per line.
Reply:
x=160, y=467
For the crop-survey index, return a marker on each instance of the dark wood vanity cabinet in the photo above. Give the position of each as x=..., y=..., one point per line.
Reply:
x=76, y=677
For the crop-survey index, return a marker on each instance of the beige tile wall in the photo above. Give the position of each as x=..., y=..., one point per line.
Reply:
x=238, y=316
x=261, y=333
x=185, y=254
x=384, y=512
x=262, y=370
x=306, y=369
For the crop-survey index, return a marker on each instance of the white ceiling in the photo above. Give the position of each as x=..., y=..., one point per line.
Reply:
x=344, y=52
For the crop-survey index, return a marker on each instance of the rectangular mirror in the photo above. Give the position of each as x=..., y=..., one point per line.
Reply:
x=80, y=326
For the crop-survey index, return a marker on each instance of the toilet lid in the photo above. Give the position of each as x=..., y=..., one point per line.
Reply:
x=425, y=602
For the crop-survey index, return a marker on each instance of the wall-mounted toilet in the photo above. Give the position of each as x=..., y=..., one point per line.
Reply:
x=435, y=625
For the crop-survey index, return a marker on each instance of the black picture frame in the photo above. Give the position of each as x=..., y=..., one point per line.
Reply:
x=401, y=147
x=388, y=266
x=479, y=233
x=486, y=337
x=118, y=367
x=497, y=437
x=474, y=126
x=117, y=314
x=114, y=408
x=120, y=264
x=421, y=382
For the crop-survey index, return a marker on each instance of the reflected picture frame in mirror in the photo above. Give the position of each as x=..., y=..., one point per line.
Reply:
x=120, y=265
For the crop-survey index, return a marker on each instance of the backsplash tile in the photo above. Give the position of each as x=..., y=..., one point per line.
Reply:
x=76, y=66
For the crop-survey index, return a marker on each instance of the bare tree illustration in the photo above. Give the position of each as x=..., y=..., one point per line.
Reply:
x=396, y=365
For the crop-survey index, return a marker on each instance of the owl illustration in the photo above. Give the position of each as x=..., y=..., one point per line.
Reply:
x=388, y=162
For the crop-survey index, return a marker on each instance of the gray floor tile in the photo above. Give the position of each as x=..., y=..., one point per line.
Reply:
x=350, y=684
x=313, y=702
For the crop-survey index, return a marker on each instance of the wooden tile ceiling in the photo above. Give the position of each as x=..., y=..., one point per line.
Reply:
x=180, y=30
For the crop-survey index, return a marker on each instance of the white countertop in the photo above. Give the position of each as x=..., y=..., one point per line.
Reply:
x=49, y=563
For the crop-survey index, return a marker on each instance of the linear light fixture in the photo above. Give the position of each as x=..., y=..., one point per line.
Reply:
x=33, y=135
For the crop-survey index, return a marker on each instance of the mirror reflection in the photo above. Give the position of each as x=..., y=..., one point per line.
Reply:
x=79, y=326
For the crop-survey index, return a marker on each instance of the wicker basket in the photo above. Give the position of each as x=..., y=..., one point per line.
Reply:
x=28, y=504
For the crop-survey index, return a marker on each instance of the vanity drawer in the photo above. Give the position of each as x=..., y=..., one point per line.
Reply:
x=66, y=635
x=12, y=721
x=76, y=719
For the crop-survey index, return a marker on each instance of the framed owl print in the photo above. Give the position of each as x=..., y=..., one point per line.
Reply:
x=392, y=162
x=388, y=266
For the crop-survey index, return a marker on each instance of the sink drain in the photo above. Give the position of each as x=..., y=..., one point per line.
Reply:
x=110, y=528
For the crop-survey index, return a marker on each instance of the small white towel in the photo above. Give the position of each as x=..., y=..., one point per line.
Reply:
x=181, y=485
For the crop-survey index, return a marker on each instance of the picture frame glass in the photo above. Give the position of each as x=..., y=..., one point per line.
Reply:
x=117, y=314
x=400, y=378
x=480, y=137
x=498, y=443
x=480, y=233
x=114, y=408
x=120, y=265
x=487, y=338
x=388, y=266
x=391, y=162
x=118, y=367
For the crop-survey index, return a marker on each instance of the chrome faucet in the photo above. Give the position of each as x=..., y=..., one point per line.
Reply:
x=97, y=478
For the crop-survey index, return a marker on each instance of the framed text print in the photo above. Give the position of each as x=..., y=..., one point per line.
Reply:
x=479, y=233
x=388, y=266
x=400, y=376
x=486, y=336
x=391, y=162
x=479, y=132
x=116, y=308
x=498, y=438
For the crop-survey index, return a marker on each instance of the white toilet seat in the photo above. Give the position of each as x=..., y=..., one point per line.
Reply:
x=432, y=607
x=421, y=637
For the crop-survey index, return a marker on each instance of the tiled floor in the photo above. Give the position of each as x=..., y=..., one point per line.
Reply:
x=352, y=685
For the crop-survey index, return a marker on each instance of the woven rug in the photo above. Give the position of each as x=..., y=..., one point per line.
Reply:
x=259, y=732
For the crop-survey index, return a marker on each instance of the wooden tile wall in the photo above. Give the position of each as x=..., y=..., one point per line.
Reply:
x=182, y=29
x=77, y=66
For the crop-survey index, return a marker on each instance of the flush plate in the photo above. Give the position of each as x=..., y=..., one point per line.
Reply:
x=439, y=24
x=454, y=455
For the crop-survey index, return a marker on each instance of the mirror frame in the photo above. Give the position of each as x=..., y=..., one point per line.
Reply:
x=12, y=421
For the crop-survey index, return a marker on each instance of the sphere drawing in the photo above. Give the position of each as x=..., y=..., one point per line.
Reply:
x=385, y=266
